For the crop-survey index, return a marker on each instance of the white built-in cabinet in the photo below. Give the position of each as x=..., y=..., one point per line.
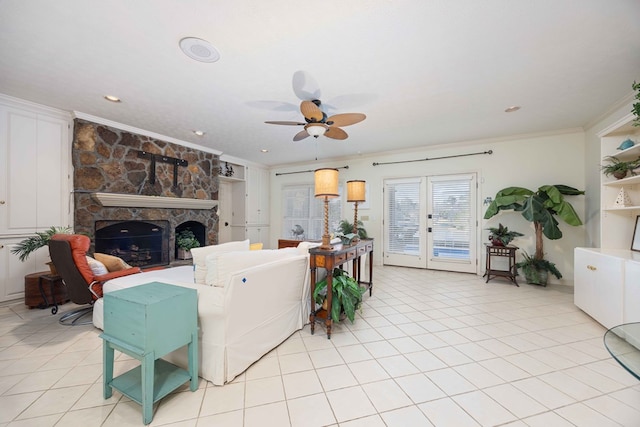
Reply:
x=35, y=171
x=607, y=279
x=250, y=202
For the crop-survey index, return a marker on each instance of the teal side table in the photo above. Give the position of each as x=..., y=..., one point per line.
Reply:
x=147, y=322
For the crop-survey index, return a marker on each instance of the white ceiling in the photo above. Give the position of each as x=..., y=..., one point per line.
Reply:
x=424, y=72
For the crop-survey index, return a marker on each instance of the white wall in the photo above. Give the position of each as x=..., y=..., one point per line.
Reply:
x=525, y=162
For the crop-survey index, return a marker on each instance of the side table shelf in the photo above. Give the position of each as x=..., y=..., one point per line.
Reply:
x=508, y=252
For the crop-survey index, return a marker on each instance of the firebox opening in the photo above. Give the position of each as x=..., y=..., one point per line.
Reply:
x=138, y=243
x=198, y=229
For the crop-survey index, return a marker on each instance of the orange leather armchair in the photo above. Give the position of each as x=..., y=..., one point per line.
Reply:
x=68, y=253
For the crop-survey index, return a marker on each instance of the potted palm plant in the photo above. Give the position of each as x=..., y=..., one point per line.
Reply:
x=41, y=239
x=346, y=296
x=540, y=207
x=185, y=241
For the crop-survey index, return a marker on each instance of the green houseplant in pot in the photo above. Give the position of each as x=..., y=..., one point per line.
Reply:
x=41, y=239
x=345, y=227
x=618, y=168
x=540, y=207
x=346, y=296
x=502, y=236
x=185, y=241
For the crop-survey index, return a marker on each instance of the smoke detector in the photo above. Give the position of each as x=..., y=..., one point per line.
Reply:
x=198, y=49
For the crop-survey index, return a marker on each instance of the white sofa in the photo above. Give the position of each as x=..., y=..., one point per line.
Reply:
x=259, y=299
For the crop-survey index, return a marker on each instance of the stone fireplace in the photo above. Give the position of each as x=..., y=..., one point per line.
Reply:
x=117, y=189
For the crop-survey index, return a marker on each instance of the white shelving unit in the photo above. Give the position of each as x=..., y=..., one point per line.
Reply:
x=607, y=285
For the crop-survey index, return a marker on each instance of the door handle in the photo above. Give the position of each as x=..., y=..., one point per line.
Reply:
x=591, y=267
x=226, y=224
x=429, y=229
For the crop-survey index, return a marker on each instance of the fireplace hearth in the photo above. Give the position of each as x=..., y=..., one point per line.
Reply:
x=138, y=243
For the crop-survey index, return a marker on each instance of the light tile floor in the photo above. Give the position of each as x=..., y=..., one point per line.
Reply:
x=428, y=349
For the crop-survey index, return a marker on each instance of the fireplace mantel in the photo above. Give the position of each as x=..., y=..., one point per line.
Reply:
x=139, y=201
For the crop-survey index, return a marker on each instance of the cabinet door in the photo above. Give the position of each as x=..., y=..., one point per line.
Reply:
x=259, y=235
x=598, y=287
x=34, y=170
x=12, y=270
x=19, y=179
x=632, y=292
x=257, y=196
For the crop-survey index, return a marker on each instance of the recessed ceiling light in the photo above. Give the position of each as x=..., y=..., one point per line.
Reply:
x=198, y=132
x=198, y=49
x=112, y=98
x=264, y=150
x=512, y=109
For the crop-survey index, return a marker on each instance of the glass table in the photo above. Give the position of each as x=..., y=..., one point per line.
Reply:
x=623, y=343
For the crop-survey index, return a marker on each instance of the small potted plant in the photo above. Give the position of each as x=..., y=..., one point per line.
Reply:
x=502, y=236
x=185, y=241
x=345, y=227
x=346, y=295
x=618, y=168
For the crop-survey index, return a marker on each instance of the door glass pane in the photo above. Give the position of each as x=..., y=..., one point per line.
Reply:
x=403, y=217
x=452, y=216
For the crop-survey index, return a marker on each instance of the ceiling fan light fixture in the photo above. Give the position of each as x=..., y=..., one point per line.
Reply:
x=316, y=129
x=112, y=98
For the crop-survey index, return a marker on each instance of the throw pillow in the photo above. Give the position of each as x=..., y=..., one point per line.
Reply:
x=97, y=267
x=200, y=257
x=113, y=263
x=255, y=247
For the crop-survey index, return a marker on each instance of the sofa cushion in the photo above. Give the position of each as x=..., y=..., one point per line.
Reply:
x=220, y=266
x=200, y=257
x=255, y=246
x=97, y=267
x=113, y=263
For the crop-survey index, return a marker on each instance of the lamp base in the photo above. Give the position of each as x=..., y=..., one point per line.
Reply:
x=326, y=242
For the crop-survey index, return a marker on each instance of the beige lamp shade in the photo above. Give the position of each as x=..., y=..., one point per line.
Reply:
x=356, y=191
x=326, y=181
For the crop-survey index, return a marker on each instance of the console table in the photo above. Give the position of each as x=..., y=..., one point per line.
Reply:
x=331, y=258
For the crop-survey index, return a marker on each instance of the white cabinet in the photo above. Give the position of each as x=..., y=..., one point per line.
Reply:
x=631, y=309
x=599, y=285
x=35, y=159
x=257, y=196
x=259, y=234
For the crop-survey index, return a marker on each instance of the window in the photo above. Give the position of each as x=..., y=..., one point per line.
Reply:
x=303, y=214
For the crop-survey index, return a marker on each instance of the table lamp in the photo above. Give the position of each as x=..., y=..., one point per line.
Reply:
x=356, y=194
x=326, y=185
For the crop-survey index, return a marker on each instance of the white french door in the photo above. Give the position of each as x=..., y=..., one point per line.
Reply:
x=430, y=222
x=451, y=223
x=404, y=224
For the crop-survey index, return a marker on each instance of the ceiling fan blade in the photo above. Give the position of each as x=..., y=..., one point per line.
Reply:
x=300, y=135
x=285, y=123
x=311, y=111
x=346, y=119
x=305, y=87
x=273, y=105
x=336, y=133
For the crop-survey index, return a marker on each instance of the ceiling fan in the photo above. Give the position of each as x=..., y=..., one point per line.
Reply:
x=317, y=123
